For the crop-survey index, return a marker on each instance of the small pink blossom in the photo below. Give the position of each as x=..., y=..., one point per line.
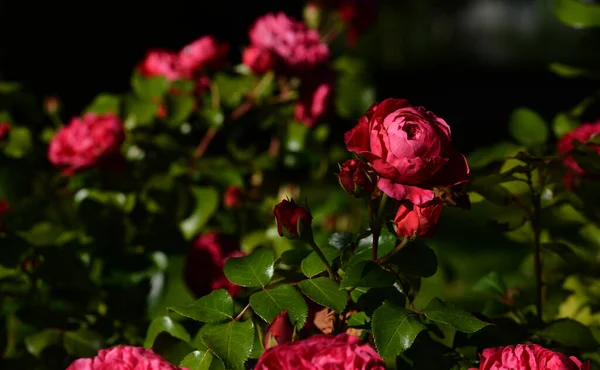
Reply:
x=203, y=53
x=161, y=63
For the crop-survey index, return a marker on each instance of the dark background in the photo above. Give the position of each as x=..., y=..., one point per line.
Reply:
x=470, y=61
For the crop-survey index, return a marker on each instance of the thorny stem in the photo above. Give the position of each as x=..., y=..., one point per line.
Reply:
x=332, y=274
x=239, y=316
x=397, y=249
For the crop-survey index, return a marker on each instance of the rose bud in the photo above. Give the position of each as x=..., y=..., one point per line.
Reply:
x=5, y=128
x=293, y=221
x=528, y=357
x=205, y=52
x=161, y=63
x=279, y=331
x=259, y=60
x=233, y=197
x=412, y=220
x=582, y=133
x=357, y=177
x=51, y=105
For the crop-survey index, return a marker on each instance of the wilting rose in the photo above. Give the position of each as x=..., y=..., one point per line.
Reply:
x=315, y=102
x=124, y=358
x=233, y=197
x=161, y=63
x=203, y=271
x=203, y=53
x=528, y=357
x=410, y=148
x=91, y=141
x=322, y=352
x=259, y=60
x=293, y=221
x=298, y=48
x=412, y=220
x=279, y=331
x=582, y=133
x=357, y=177
x=5, y=128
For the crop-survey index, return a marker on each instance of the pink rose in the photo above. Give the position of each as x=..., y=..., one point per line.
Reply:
x=124, y=358
x=322, y=352
x=5, y=128
x=205, y=261
x=298, y=47
x=412, y=220
x=201, y=54
x=91, y=141
x=161, y=63
x=316, y=98
x=259, y=60
x=527, y=357
x=410, y=148
x=565, y=144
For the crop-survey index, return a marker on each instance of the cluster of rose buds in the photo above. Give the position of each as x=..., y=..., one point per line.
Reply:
x=408, y=152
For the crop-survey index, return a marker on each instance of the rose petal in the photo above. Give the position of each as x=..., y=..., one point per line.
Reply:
x=454, y=172
x=414, y=194
x=357, y=139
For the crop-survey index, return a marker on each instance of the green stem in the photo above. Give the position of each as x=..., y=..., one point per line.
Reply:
x=376, y=224
x=332, y=274
x=535, y=218
x=397, y=249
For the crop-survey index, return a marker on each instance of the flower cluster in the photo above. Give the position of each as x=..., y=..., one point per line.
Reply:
x=582, y=133
x=124, y=358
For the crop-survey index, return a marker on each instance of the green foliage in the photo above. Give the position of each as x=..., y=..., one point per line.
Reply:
x=270, y=302
x=395, y=329
x=577, y=13
x=527, y=127
x=207, y=201
x=214, y=307
x=231, y=342
x=325, y=292
x=447, y=313
x=253, y=270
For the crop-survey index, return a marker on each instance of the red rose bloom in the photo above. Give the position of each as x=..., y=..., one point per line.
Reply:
x=201, y=54
x=565, y=144
x=528, y=357
x=233, y=196
x=5, y=128
x=298, y=47
x=124, y=358
x=322, y=352
x=279, y=331
x=91, y=141
x=412, y=220
x=259, y=60
x=204, y=265
x=410, y=148
x=293, y=220
x=316, y=98
x=161, y=63
x=357, y=177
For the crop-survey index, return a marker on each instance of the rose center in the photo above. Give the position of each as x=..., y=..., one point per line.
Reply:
x=413, y=132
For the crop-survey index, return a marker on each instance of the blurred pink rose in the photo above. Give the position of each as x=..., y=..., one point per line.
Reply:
x=124, y=358
x=203, y=53
x=565, y=144
x=161, y=63
x=410, y=148
x=298, y=47
x=205, y=261
x=5, y=128
x=258, y=59
x=91, y=141
x=527, y=357
x=316, y=98
x=421, y=221
x=322, y=352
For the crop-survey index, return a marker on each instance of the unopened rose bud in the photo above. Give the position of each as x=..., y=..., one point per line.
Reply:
x=51, y=105
x=357, y=177
x=162, y=111
x=279, y=331
x=312, y=15
x=233, y=197
x=418, y=221
x=258, y=59
x=293, y=221
x=4, y=207
x=5, y=128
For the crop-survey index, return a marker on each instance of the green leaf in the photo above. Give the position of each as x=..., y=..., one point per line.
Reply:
x=490, y=188
x=354, y=94
x=325, y=292
x=197, y=360
x=293, y=257
x=39, y=341
x=105, y=103
x=165, y=324
x=440, y=311
x=359, y=319
x=140, y=112
x=207, y=202
x=416, y=259
x=296, y=136
x=83, y=343
x=269, y=303
x=214, y=307
x=19, y=143
x=214, y=116
x=562, y=124
x=341, y=240
x=232, y=89
x=312, y=265
x=567, y=71
x=179, y=108
x=563, y=251
x=367, y=274
x=231, y=342
x=490, y=283
x=149, y=87
x=527, y=127
x=253, y=270
x=482, y=157
x=569, y=333
x=394, y=329
x=258, y=347
x=577, y=14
